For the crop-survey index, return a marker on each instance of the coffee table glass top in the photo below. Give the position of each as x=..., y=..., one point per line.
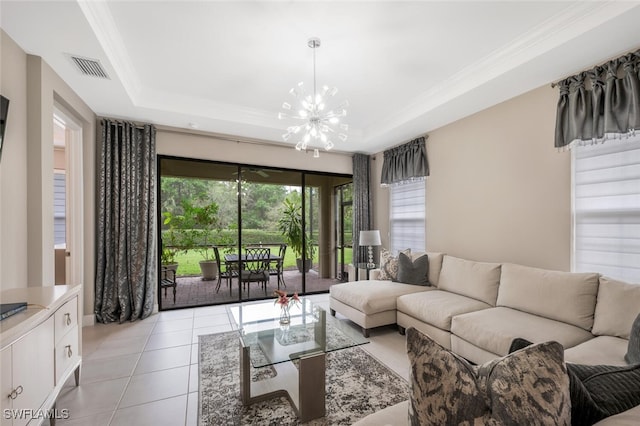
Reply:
x=310, y=331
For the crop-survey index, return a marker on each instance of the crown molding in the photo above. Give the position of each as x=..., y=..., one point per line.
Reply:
x=555, y=31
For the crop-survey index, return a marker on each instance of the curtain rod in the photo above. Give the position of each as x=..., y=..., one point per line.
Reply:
x=597, y=68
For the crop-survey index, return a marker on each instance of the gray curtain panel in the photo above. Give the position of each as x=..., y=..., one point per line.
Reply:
x=361, y=204
x=599, y=103
x=405, y=162
x=126, y=260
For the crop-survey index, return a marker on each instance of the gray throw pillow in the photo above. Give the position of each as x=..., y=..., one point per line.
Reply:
x=413, y=272
x=633, y=351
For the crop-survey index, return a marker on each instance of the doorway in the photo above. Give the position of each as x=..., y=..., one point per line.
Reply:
x=68, y=200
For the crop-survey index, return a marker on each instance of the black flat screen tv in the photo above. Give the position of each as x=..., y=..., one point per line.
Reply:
x=4, y=111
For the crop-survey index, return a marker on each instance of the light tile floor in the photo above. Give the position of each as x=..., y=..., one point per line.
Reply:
x=146, y=372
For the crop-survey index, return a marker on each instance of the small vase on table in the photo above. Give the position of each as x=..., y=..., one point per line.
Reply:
x=285, y=315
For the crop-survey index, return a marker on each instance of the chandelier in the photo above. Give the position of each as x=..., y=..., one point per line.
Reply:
x=320, y=124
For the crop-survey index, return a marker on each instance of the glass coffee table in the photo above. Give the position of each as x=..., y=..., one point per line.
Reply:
x=306, y=340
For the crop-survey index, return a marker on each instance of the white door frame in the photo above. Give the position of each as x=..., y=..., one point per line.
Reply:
x=74, y=261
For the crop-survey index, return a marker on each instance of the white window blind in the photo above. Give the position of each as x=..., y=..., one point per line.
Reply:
x=407, y=216
x=606, y=209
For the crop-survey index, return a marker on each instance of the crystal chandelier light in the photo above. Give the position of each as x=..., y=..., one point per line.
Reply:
x=320, y=124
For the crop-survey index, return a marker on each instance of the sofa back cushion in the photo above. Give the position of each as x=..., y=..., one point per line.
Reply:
x=569, y=297
x=618, y=305
x=478, y=280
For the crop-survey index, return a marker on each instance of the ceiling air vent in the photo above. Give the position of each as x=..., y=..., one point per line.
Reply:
x=89, y=67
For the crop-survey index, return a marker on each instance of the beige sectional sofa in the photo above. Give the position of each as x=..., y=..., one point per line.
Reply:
x=476, y=309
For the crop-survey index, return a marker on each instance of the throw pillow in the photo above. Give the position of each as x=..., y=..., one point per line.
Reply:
x=413, y=272
x=611, y=389
x=443, y=385
x=633, y=350
x=389, y=265
x=597, y=391
x=529, y=386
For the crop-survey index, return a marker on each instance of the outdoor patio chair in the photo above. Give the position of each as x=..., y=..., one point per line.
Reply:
x=230, y=270
x=168, y=279
x=276, y=266
x=255, y=267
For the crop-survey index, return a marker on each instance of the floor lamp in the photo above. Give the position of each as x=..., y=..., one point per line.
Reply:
x=370, y=239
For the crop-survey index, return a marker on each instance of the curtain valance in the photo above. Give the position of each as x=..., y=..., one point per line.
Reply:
x=406, y=162
x=600, y=103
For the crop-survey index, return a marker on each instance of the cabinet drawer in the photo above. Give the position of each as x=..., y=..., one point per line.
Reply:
x=67, y=353
x=66, y=317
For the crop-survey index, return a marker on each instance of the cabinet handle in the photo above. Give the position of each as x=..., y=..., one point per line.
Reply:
x=69, y=351
x=17, y=391
x=68, y=318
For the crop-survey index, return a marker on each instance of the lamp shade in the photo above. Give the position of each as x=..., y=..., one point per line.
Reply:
x=370, y=238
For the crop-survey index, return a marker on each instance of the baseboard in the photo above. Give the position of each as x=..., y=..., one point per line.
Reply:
x=88, y=320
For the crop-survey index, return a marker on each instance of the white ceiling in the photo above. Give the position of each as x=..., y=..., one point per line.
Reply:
x=405, y=67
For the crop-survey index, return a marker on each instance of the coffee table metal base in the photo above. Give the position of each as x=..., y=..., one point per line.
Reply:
x=307, y=398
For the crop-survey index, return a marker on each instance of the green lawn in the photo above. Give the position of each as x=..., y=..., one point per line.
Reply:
x=188, y=261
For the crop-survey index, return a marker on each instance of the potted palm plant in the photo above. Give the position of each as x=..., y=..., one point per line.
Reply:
x=290, y=225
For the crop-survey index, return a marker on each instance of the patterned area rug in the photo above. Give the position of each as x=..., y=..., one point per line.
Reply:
x=356, y=385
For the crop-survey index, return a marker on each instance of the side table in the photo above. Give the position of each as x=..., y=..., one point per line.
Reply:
x=366, y=267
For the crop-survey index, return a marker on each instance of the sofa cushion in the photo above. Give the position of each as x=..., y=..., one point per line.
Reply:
x=413, y=271
x=618, y=305
x=478, y=280
x=607, y=350
x=389, y=264
x=373, y=296
x=443, y=385
x=633, y=350
x=564, y=296
x=438, y=307
x=494, y=329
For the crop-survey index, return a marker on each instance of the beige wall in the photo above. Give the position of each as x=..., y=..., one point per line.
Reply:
x=180, y=143
x=13, y=167
x=498, y=190
x=26, y=200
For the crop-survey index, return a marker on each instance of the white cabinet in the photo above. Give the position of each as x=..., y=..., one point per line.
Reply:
x=40, y=350
x=31, y=372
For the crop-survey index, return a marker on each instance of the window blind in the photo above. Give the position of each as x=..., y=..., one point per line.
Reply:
x=606, y=209
x=407, y=216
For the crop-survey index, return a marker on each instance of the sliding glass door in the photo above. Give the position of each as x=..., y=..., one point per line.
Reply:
x=231, y=213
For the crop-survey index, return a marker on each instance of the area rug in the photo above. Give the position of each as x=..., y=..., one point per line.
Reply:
x=356, y=385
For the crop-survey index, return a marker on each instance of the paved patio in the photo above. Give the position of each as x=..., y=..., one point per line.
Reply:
x=193, y=291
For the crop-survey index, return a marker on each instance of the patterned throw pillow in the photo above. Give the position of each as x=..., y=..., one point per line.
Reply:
x=633, y=350
x=413, y=272
x=443, y=385
x=530, y=386
x=389, y=265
